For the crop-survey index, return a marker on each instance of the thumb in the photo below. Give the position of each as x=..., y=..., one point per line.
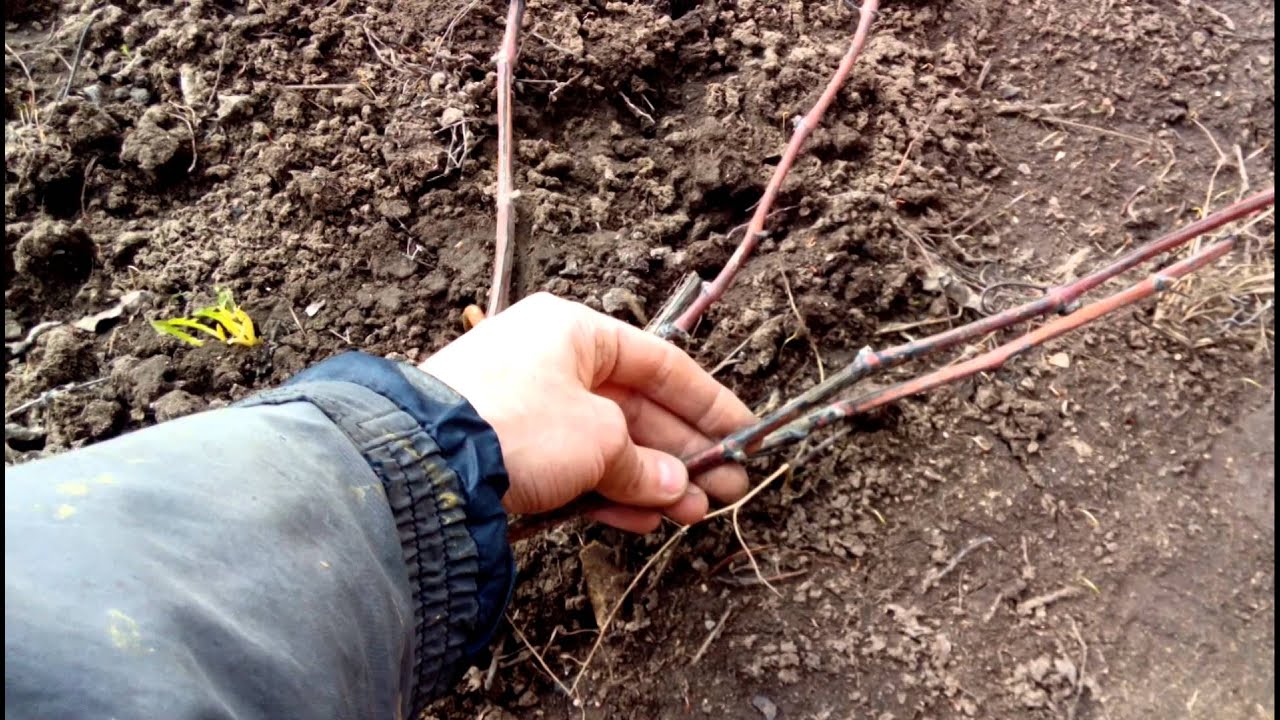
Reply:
x=640, y=476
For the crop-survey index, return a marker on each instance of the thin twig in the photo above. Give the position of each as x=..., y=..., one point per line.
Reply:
x=804, y=328
x=504, y=245
x=31, y=89
x=1035, y=113
x=728, y=560
x=992, y=215
x=905, y=156
x=492, y=672
x=608, y=620
x=217, y=78
x=48, y=395
x=711, y=636
x=321, y=86
x=1084, y=664
x=1222, y=162
x=636, y=110
x=75, y=59
x=936, y=576
x=1026, y=607
x=538, y=656
x=186, y=119
x=448, y=30
x=751, y=557
x=1244, y=173
x=729, y=359
x=714, y=290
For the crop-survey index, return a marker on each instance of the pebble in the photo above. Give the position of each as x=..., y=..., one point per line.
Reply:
x=451, y=116
x=1009, y=92
x=12, y=328
x=618, y=299
x=766, y=707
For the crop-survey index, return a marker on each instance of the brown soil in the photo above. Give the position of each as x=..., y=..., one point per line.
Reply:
x=332, y=164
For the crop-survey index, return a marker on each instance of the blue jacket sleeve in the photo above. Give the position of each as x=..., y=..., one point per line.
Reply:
x=333, y=548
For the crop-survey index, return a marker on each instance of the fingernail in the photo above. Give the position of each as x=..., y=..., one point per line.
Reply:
x=672, y=477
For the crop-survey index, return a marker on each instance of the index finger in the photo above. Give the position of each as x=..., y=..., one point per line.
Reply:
x=653, y=367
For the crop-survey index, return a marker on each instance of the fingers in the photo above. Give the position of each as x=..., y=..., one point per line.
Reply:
x=654, y=426
x=636, y=520
x=633, y=474
x=688, y=510
x=631, y=358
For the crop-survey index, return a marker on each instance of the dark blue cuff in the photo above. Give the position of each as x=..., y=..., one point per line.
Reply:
x=468, y=445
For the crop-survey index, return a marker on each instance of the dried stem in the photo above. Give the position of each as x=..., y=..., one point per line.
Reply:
x=504, y=247
x=670, y=543
x=75, y=59
x=538, y=657
x=994, y=359
x=737, y=446
x=712, y=291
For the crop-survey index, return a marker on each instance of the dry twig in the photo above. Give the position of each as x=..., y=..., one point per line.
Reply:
x=538, y=656
x=714, y=290
x=504, y=246
x=48, y=395
x=75, y=59
x=711, y=636
x=936, y=576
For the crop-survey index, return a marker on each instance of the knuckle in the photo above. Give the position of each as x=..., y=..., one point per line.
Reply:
x=612, y=421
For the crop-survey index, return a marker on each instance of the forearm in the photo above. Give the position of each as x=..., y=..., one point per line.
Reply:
x=333, y=548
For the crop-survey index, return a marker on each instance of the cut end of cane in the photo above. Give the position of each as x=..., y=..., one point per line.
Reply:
x=471, y=317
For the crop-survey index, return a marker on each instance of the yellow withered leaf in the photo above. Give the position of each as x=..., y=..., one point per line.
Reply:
x=228, y=323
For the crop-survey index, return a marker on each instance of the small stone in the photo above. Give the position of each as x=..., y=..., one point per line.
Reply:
x=141, y=380
x=99, y=417
x=618, y=299
x=390, y=300
x=12, y=328
x=142, y=96
x=451, y=116
x=229, y=106
x=22, y=434
x=394, y=208
x=126, y=245
x=68, y=357
x=766, y=707
x=176, y=404
x=1008, y=92
x=1083, y=449
x=556, y=163
x=1060, y=360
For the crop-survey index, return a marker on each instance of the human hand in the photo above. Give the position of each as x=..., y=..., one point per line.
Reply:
x=582, y=402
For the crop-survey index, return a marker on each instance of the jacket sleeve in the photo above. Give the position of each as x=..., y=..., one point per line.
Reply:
x=333, y=548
